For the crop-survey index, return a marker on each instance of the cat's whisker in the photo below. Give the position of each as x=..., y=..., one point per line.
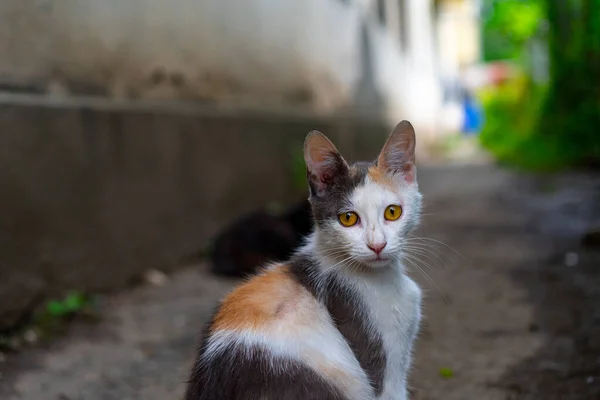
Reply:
x=351, y=266
x=336, y=255
x=334, y=250
x=332, y=247
x=341, y=262
x=427, y=253
x=434, y=265
x=419, y=269
x=421, y=259
x=431, y=248
x=332, y=254
x=416, y=257
x=355, y=266
x=440, y=242
x=423, y=264
x=413, y=262
x=420, y=242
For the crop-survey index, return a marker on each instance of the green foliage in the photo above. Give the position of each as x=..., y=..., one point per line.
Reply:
x=570, y=116
x=511, y=113
x=516, y=135
x=51, y=318
x=72, y=303
x=557, y=126
x=507, y=26
x=48, y=321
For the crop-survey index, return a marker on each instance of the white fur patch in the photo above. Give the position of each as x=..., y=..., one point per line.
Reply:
x=318, y=345
x=393, y=303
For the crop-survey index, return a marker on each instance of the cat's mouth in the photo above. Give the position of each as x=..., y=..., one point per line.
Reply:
x=378, y=260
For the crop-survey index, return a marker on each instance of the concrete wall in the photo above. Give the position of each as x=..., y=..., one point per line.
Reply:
x=311, y=52
x=93, y=194
x=265, y=50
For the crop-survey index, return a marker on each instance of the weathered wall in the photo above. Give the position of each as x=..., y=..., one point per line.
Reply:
x=310, y=52
x=93, y=194
x=298, y=51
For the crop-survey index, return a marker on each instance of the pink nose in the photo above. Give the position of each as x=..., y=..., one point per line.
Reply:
x=377, y=248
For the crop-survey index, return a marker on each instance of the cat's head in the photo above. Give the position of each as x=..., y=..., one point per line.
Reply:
x=363, y=212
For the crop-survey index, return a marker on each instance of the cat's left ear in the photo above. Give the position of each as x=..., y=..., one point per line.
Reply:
x=398, y=153
x=324, y=163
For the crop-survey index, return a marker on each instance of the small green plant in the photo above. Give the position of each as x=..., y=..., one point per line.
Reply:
x=446, y=372
x=48, y=320
x=51, y=318
x=72, y=303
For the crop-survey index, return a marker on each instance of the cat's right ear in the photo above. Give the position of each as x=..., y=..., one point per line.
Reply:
x=324, y=163
x=398, y=154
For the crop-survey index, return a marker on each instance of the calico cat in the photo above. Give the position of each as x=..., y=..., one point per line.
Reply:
x=258, y=238
x=338, y=320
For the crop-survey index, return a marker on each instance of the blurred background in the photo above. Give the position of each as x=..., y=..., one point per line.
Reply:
x=135, y=134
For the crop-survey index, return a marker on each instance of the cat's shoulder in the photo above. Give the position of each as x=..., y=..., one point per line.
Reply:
x=272, y=296
x=412, y=292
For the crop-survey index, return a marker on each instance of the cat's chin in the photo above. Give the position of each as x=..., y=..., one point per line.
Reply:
x=378, y=262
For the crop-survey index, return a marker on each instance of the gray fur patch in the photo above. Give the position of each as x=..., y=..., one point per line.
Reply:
x=334, y=198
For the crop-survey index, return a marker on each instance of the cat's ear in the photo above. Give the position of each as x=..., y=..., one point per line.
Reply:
x=398, y=153
x=324, y=162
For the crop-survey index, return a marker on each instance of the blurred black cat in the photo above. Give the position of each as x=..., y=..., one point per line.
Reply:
x=259, y=238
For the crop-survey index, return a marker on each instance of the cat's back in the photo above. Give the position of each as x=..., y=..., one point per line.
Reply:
x=272, y=339
x=269, y=301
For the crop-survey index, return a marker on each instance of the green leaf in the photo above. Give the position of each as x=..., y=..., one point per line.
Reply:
x=446, y=373
x=74, y=301
x=56, y=308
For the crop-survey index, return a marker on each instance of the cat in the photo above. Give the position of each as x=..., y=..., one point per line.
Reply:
x=258, y=238
x=338, y=320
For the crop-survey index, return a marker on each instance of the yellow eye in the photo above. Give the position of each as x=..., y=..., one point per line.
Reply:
x=348, y=219
x=392, y=212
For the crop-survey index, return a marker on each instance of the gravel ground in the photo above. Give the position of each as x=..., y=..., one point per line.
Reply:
x=512, y=306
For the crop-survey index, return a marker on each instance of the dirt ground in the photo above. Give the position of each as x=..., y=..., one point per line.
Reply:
x=512, y=306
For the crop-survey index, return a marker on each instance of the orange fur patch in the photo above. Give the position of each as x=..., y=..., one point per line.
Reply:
x=379, y=176
x=263, y=299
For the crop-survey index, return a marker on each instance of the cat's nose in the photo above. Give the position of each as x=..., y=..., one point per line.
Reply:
x=377, y=247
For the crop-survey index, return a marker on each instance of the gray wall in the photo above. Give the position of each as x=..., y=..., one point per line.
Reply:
x=94, y=194
x=218, y=50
